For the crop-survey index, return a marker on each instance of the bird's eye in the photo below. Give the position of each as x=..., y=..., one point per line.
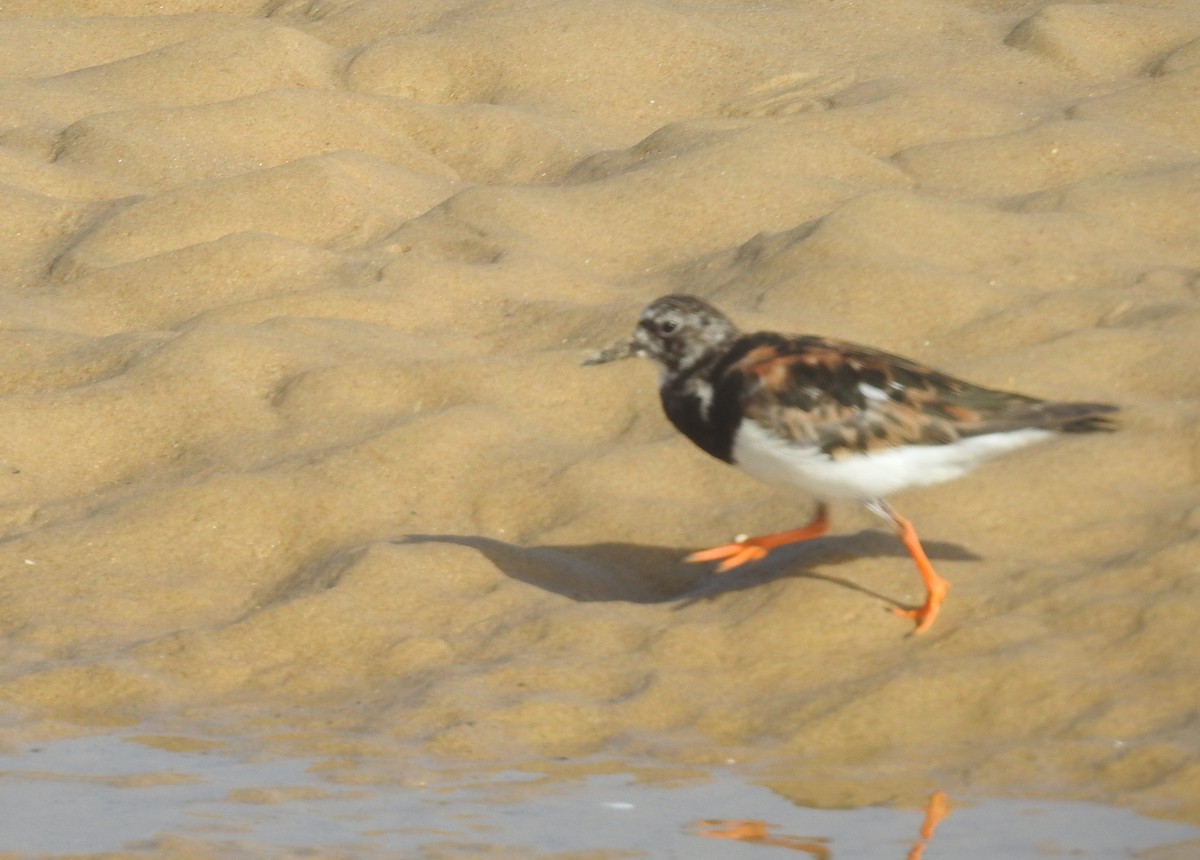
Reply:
x=667, y=326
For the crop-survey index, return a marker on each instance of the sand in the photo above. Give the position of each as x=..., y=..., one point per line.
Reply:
x=297, y=446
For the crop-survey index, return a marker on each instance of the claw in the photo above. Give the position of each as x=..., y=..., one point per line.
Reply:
x=747, y=549
x=926, y=613
x=735, y=554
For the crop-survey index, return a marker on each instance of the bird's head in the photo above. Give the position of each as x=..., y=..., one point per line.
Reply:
x=677, y=332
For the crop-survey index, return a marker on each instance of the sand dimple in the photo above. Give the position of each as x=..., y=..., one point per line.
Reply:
x=1106, y=40
x=1168, y=105
x=243, y=135
x=1048, y=155
x=343, y=200
x=294, y=300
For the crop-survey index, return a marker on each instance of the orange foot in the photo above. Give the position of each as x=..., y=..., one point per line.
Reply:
x=754, y=548
x=927, y=612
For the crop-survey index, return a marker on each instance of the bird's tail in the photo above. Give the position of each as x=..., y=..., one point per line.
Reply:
x=1073, y=417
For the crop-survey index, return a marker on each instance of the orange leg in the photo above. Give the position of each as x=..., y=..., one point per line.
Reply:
x=936, y=811
x=754, y=548
x=935, y=586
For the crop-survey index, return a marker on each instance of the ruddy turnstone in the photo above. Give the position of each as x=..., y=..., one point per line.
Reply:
x=838, y=420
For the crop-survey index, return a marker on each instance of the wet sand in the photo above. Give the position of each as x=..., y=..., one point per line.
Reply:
x=297, y=445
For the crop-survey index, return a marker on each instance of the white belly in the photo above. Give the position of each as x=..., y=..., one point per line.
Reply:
x=868, y=476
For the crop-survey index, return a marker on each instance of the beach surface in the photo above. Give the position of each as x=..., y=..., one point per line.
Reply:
x=297, y=446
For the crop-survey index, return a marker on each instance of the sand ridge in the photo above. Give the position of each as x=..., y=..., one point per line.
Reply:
x=297, y=444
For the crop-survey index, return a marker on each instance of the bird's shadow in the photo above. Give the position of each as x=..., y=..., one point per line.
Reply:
x=635, y=573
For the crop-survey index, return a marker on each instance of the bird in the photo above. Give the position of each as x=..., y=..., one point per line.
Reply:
x=834, y=419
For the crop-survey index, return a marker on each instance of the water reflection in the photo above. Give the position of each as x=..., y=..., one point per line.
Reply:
x=758, y=833
x=755, y=832
x=120, y=795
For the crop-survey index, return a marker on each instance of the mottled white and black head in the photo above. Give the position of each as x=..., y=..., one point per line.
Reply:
x=679, y=333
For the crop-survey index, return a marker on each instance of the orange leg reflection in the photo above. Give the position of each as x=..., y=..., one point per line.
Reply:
x=936, y=811
x=755, y=832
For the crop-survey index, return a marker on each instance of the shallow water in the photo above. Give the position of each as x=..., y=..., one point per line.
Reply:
x=112, y=793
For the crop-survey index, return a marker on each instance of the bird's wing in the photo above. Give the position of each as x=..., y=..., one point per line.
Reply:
x=845, y=398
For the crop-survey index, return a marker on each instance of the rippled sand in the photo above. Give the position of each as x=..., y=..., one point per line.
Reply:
x=296, y=443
